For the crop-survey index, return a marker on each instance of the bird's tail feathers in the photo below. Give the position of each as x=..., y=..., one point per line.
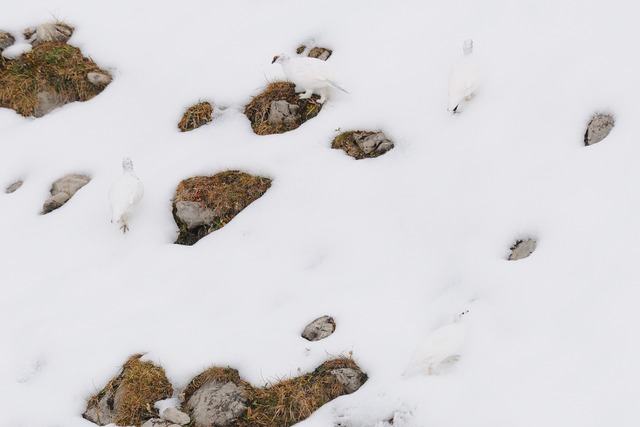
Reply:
x=337, y=86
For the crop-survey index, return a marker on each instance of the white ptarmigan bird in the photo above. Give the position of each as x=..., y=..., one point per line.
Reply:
x=310, y=74
x=442, y=345
x=464, y=78
x=124, y=195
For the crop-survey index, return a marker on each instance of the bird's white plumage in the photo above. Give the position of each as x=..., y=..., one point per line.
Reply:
x=464, y=78
x=310, y=74
x=441, y=345
x=124, y=195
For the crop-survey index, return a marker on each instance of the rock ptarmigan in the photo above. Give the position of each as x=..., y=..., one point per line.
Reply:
x=124, y=195
x=464, y=78
x=310, y=74
x=440, y=347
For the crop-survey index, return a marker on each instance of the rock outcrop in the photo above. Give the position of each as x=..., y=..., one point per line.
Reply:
x=63, y=189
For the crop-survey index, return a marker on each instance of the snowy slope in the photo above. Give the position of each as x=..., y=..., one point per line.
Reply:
x=390, y=247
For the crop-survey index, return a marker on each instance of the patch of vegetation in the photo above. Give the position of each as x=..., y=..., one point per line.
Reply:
x=226, y=194
x=196, y=116
x=320, y=53
x=291, y=401
x=300, y=49
x=53, y=67
x=348, y=142
x=259, y=109
x=140, y=385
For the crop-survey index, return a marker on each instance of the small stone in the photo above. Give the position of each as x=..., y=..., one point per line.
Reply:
x=69, y=184
x=352, y=379
x=54, y=202
x=320, y=53
x=13, y=187
x=175, y=416
x=522, y=249
x=319, y=329
x=598, y=128
x=6, y=40
x=281, y=112
x=194, y=214
x=99, y=79
x=157, y=422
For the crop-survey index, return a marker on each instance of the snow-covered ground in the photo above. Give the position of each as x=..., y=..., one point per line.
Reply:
x=391, y=247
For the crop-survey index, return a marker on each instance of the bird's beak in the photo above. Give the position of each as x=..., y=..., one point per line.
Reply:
x=274, y=59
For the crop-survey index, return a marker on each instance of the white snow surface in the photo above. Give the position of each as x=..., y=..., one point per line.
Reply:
x=390, y=247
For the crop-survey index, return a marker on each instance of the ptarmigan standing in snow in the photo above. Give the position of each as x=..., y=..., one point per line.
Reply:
x=464, y=78
x=309, y=74
x=124, y=195
x=442, y=345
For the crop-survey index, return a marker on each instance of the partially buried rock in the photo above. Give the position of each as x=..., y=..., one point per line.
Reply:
x=99, y=79
x=175, y=416
x=63, y=189
x=363, y=144
x=203, y=204
x=320, y=53
x=197, y=115
x=6, y=40
x=48, y=76
x=128, y=399
x=319, y=329
x=279, y=109
x=216, y=397
x=522, y=249
x=49, y=32
x=13, y=187
x=159, y=422
x=598, y=128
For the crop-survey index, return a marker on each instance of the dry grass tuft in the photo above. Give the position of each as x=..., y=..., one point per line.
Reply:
x=140, y=385
x=258, y=109
x=291, y=401
x=54, y=67
x=226, y=193
x=196, y=116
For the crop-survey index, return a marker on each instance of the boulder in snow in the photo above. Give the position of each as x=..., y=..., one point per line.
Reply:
x=63, y=189
x=49, y=32
x=522, y=249
x=175, y=416
x=99, y=79
x=6, y=40
x=319, y=329
x=598, y=128
x=363, y=144
x=13, y=187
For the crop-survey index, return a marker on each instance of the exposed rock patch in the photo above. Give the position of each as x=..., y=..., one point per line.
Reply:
x=175, y=416
x=363, y=144
x=598, y=128
x=13, y=187
x=204, y=204
x=127, y=400
x=320, y=53
x=522, y=249
x=197, y=115
x=99, y=79
x=279, y=109
x=319, y=329
x=63, y=189
x=50, y=75
x=6, y=40
x=49, y=32
x=159, y=422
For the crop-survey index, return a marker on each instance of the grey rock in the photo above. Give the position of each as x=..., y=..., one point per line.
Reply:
x=522, y=249
x=49, y=32
x=54, y=202
x=99, y=79
x=175, y=416
x=217, y=404
x=69, y=184
x=47, y=102
x=281, y=112
x=13, y=187
x=195, y=214
x=320, y=53
x=377, y=142
x=598, y=128
x=156, y=422
x=352, y=379
x=320, y=328
x=6, y=40
x=105, y=411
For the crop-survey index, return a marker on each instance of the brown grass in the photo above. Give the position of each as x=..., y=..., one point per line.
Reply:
x=346, y=141
x=143, y=384
x=226, y=193
x=50, y=67
x=258, y=109
x=196, y=116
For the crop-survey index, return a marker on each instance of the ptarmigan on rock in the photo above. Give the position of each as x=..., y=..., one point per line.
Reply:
x=464, y=78
x=124, y=195
x=440, y=347
x=310, y=74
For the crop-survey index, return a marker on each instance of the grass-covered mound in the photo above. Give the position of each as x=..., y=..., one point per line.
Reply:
x=362, y=144
x=263, y=113
x=197, y=115
x=203, y=204
x=54, y=68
